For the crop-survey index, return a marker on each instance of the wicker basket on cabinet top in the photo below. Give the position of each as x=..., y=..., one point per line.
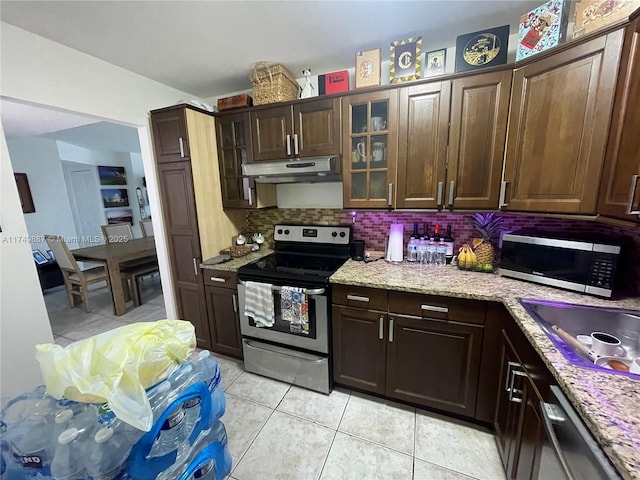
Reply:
x=272, y=84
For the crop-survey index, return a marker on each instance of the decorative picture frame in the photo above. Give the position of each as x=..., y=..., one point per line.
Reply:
x=484, y=48
x=115, y=197
x=39, y=257
x=405, y=60
x=120, y=215
x=435, y=62
x=368, y=70
x=112, y=175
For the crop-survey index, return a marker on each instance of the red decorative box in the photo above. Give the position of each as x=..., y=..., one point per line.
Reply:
x=334, y=82
x=237, y=101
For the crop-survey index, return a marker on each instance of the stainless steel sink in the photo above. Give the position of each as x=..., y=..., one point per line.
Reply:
x=582, y=320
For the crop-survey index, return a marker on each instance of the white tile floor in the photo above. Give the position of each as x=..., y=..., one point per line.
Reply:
x=277, y=431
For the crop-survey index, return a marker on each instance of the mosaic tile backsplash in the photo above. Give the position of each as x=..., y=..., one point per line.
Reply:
x=373, y=227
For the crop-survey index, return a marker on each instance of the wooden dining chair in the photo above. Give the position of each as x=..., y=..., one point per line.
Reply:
x=147, y=228
x=117, y=232
x=76, y=280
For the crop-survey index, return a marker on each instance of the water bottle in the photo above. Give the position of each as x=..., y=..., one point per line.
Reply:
x=209, y=458
x=431, y=252
x=206, y=370
x=411, y=250
x=30, y=437
x=109, y=452
x=68, y=462
x=173, y=433
x=422, y=251
x=441, y=253
x=81, y=416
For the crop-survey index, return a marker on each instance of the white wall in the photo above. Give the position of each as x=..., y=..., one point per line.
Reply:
x=38, y=158
x=23, y=316
x=34, y=69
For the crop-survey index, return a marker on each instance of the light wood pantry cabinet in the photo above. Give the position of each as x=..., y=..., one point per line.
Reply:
x=558, y=123
x=195, y=224
x=369, y=149
x=305, y=129
x=234, y=150
x=620, y=187
x=423, y=127
x=221, y=288
x=478, y=119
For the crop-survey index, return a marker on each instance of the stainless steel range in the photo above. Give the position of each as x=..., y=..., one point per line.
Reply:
x=292, y=344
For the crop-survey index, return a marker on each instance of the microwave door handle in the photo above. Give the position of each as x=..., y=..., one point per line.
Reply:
x=551, y=434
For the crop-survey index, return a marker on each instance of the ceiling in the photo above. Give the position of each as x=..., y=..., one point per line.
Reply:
x=208, y=48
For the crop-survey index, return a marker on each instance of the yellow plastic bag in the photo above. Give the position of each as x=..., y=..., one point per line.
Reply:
x=117, y=366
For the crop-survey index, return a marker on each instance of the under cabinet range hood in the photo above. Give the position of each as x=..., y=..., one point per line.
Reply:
x=299, y=170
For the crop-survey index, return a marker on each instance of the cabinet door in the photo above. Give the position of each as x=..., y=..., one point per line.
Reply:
x=422, y=148
x=620, y=189
x=176, y=188
x=316, y=128
x=508, y=413
x=234, y=150
x=434, y=363
x=170, y=136
x=224, y=322
x=271, y=132
x=558, y=124
x=532, y=435
x=359, y=348
x=369, y=149
x=479, y=109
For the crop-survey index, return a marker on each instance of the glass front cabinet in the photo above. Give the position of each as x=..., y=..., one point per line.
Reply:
x=370, y=149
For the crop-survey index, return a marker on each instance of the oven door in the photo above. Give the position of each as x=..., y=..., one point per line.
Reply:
x=282, y=331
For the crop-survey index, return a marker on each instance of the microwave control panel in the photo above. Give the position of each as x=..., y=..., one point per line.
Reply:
x=603, y=271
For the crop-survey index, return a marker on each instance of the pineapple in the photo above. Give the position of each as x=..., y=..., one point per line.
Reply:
x=487, y=227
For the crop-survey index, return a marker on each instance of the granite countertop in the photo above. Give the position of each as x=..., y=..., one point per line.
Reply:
x=234, y=264
x=608, y=404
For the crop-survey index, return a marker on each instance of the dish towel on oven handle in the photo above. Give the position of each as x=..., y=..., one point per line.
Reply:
x=295, y=309
x=258, y=303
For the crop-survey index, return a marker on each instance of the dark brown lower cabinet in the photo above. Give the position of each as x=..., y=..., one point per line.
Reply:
x=427, y=361
x=359, y=348
x=222, y=304
x=434, y=363
x=518, y=421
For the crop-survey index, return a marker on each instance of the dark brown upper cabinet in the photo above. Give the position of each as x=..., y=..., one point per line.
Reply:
x=304, y=129
x=620, y=186
x=558, y=128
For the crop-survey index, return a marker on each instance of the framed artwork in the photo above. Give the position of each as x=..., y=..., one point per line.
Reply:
x=39, y=257
x=435, y=62
x=591, y=15
x=368, y=68
x=115, y=197
x=485, y=48
x=542, y=28
x=112, y=175
x=120, y=215
x=404, y=62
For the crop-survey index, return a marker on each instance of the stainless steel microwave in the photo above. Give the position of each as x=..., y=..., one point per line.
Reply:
x=577, y=263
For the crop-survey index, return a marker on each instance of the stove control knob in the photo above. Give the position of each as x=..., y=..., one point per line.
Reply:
x=342, y=234
x=279, y=231
x=334, y=234
x=286, y=232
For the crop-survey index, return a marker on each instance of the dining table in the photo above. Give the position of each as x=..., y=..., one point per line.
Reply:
x=114, y=255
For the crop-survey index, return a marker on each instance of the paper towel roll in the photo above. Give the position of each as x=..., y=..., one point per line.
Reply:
x=395, y=248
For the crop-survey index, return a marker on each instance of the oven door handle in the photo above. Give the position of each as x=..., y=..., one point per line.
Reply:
x=309, y=291
x=249, y=344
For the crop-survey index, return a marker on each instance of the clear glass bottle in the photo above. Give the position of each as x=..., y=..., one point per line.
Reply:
x=441, y=253
x=431, y=252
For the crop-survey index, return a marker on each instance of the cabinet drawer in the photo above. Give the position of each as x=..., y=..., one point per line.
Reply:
x=446, y=308
x=220, y=278
x=363, y=297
